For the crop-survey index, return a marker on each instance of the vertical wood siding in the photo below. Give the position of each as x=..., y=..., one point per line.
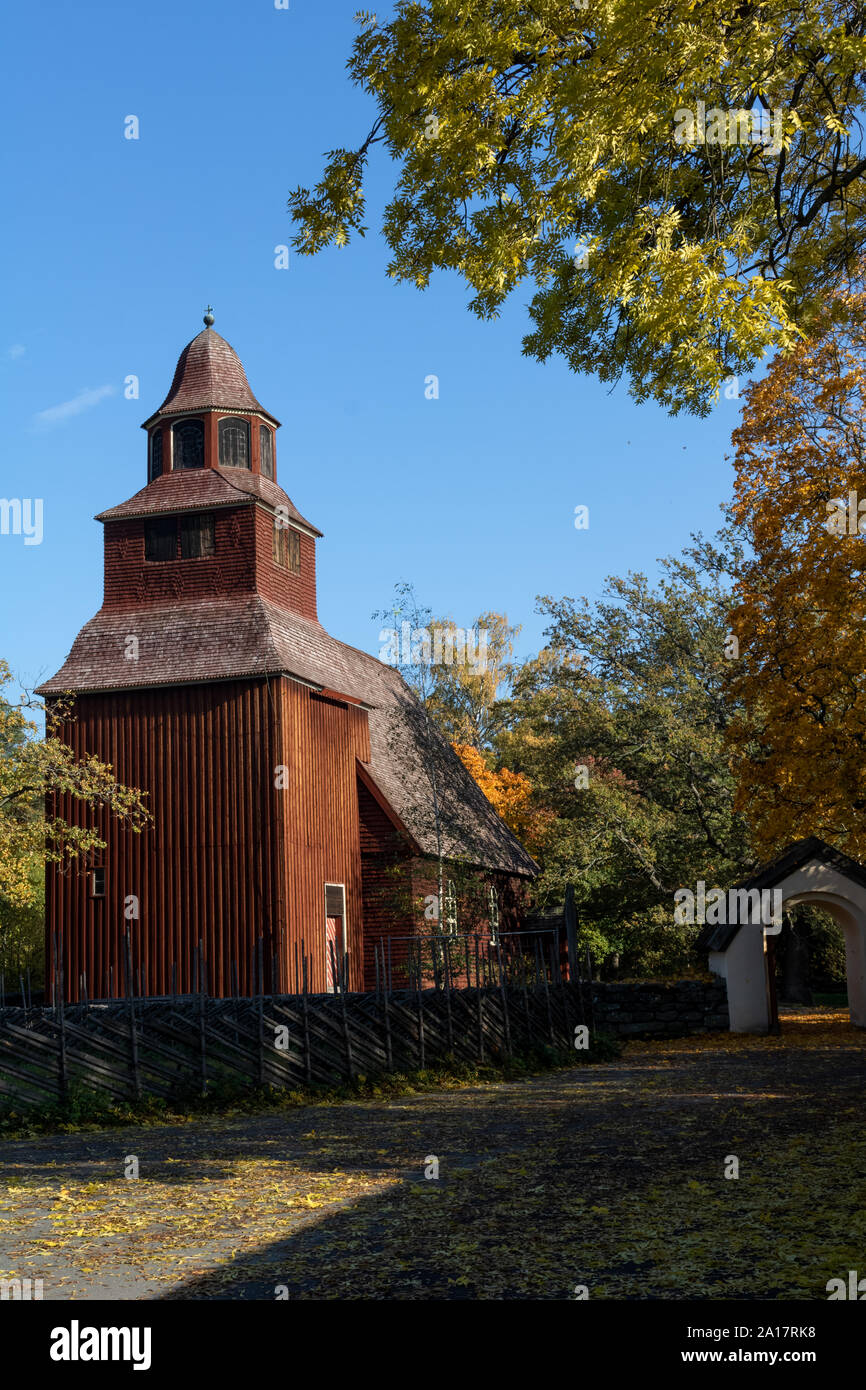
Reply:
x=229, y=856
x=321, y=740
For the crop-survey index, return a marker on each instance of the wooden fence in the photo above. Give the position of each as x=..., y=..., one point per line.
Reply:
x=172, y=1045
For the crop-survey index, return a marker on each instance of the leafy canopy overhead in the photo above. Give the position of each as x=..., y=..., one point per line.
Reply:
x=522, y=130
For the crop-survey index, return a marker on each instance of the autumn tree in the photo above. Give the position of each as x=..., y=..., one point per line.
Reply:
x=800, y=501
x=460, y=679
x=619, y=725
x=510, y=795
x=404, y=648
x=31, y=768
x=469, y=692
x=681, y=181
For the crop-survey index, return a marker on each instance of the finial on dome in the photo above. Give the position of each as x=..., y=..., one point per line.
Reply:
x=208, y=318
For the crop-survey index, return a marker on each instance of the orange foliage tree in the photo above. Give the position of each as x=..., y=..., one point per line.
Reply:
x=800, y=621
x=510, y=794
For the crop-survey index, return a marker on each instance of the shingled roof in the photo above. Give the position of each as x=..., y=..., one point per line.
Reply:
x=718, y=936
x=209, y=376
x=242, y=636
x=199, y=489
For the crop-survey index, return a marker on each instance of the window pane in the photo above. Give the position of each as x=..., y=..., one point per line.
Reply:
x=188, y=444
x=155, y=454
x=160, y=539
x=196, y=536
x=234, y=444
x=335, y=905
x=267, y=451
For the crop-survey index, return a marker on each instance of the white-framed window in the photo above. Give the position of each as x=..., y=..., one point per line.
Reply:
x=335, y=935
x=97, y=883
x=493, y=914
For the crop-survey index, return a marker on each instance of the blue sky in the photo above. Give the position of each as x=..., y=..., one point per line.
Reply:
x=114, y=247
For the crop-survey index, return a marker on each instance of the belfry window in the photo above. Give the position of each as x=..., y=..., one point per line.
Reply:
x=155, y=454
x=160, y=539
x=287, y=548
x=195, y=531
x=266, y=441
x=234, y=443
x=188, y=444
x=196, y=536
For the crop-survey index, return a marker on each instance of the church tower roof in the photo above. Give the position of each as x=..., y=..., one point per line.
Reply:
x=209, y=376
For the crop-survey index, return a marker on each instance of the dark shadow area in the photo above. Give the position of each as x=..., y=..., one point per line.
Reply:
x=565, y=1176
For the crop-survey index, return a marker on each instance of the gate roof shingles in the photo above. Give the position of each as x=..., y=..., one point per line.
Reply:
x=718, y=936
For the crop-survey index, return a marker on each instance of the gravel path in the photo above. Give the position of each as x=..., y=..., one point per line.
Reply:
x=609, y=1178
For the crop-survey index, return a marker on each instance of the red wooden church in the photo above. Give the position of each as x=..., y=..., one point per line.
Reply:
x=288, y=775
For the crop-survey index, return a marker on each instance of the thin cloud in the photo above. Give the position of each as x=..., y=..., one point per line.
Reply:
x=16, y=350
x=85, y=400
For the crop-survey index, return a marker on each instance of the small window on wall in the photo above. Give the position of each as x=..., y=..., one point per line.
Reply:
x=155, y=455
x=234, y=444
x=336, y=963
x=266, y=449
x=97, y=883
x=287, y=548
x=160, y=539
x=188, y=444
x=196, y=536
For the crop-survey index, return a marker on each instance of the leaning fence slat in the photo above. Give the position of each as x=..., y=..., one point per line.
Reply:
x=59, y=990
x=504, y=991
x=446, y=974
x=479, y=998
x=306, y=1015
x=389, y=1057
x=261, y=1008
x=201, y=1018
x=133, y=1039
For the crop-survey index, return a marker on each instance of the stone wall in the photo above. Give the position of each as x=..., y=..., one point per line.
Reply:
x=661, y=1010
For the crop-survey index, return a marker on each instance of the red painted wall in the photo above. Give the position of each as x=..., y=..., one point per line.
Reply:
x=230, y=855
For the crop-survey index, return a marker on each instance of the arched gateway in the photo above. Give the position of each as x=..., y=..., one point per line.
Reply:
x=742, y=952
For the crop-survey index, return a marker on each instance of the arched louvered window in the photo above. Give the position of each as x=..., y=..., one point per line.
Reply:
x=188, y=444
x=266, y=444
x=155, y=454
x=234, y=443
